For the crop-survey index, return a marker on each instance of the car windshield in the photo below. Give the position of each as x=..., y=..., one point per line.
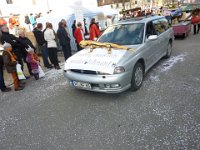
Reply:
x=124, y=34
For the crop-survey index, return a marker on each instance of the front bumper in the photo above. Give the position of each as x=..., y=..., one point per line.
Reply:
x=99, y=82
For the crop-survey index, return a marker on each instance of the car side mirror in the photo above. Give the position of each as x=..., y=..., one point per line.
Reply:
x=152, y=37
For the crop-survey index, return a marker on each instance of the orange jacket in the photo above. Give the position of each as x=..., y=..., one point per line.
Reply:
x=14, y=21
x=78, y=35
x=94, y=32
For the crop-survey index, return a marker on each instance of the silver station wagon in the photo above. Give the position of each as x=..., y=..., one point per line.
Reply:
x=126, y=51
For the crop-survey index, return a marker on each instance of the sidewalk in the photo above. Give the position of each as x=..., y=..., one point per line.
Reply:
x=9, y=81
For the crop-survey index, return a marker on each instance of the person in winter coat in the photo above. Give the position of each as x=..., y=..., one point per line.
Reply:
x=14, y=41
x=32, y=20
x=33, y=60
x=64, y=40
x=85, y=26
x=79, y=35
x=39, y=36
x=196, y=23
x=74, y=27
x=10, y=61
x=94, y=30
x=25, y=44
x=3, y=87
x=28, y=23
x=49, y=36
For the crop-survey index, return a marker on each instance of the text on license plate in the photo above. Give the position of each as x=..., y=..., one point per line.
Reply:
x=81, y=84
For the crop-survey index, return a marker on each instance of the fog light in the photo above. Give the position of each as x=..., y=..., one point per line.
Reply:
x=116, y=85
x=107, y=85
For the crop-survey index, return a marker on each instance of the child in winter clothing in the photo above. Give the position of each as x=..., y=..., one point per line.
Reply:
x=10, y=61
x=33, y=60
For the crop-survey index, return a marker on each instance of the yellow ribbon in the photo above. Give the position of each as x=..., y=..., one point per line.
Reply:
x=92, y=45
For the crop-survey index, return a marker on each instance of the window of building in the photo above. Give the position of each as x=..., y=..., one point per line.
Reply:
x=34, y=2
x=9, y=1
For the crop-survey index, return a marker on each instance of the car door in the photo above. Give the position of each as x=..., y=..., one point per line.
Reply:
x=165, y=36
x=151, y=46
x=161, y=28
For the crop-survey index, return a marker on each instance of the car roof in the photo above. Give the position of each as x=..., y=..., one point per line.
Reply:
x=140, y=19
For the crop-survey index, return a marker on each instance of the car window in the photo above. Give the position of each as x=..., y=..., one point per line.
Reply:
x=164, y=23
x=124, y=34
x=158, y=26
x=150, y=30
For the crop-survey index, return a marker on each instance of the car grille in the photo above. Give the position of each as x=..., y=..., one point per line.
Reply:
x=83, y=71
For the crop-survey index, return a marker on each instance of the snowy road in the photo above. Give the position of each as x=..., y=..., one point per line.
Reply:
x=163, y=114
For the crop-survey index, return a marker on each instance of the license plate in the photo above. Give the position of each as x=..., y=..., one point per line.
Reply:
x=81, y=84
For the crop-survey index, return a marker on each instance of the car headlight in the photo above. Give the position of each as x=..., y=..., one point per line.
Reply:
x=119, y=70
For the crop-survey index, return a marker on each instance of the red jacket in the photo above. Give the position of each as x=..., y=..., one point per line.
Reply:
x=78, y=35
x=94, y=32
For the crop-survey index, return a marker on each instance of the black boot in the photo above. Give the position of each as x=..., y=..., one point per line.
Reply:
x=57, y=67
x=36, y=76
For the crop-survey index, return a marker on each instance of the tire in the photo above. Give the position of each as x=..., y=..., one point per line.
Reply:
x=184, y=35
x=169, y=50
x=137, y=77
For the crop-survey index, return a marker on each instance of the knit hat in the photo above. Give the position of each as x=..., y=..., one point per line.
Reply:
x=6, y=45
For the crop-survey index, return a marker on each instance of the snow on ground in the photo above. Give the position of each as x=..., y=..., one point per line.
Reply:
x=166, y=66
x=171, y=62
x=39, y=89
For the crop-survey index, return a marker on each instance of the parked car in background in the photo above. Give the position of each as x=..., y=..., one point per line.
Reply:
x=111, y=69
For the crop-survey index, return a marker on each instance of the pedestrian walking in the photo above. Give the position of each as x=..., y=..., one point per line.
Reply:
x=64, y=40
x=42, y=44
x=49, y=36
x=195, y=14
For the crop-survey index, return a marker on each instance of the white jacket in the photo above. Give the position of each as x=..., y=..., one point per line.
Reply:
x=49, y=36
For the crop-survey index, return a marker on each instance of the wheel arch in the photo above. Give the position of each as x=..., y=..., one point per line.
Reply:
x=141, y=61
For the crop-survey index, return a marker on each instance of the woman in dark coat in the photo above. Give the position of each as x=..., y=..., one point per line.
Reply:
x=14, y=41
x=25, y=44
x=64, y=40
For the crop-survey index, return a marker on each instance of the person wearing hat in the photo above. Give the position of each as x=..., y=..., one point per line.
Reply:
x=3, y=87
x=34, y=61
x=10, y=61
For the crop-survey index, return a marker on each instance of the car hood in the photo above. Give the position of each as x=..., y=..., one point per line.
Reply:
x=97, y=60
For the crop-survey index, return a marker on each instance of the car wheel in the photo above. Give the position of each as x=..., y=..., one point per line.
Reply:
x=184, y=35
x=169, y=50
x=137, y=77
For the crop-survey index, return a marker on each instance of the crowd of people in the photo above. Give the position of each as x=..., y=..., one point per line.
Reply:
x=19, y=49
